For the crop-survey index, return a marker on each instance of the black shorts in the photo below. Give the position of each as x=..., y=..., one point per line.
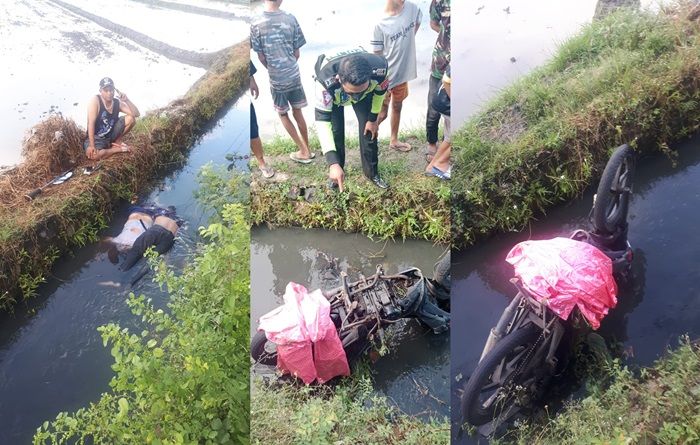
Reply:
x=106, y=141
x=253, y=123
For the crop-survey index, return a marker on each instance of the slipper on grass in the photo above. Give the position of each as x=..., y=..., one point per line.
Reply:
x=445, y=176
x=295, y=158
x=401, y=146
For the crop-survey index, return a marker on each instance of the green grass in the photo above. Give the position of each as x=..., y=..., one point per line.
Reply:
x=350, y=413
x=658, y=406
x=632, y=77
x=414, y=206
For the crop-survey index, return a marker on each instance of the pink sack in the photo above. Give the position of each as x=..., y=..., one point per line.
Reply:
x=303, y=320
x=564, y=273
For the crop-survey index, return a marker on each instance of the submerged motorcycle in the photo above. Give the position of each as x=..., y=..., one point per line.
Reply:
x=523, y=350
x=361, y=310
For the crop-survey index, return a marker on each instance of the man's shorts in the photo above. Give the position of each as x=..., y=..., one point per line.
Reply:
x=254, y=131
x=294, y=98
x=106, y=141
x=398, y=93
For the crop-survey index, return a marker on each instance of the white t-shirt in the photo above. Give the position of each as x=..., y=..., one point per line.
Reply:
x=395, y=37
x=132, y=230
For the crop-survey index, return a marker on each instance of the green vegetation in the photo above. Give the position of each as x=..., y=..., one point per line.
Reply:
x=660, y=406
x=182, y=379
x=72, y=214
x=414, y=206
x=631, y=77
x=350, y=413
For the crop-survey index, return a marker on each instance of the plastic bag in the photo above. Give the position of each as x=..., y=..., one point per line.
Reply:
x=308, y=345
x=564, y=273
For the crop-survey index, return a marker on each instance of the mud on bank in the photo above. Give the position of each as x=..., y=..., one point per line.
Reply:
x=631, y=77
x=414, y=206
x=34, y=234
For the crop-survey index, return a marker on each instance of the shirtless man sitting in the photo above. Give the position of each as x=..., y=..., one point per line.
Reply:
x=105, y=128
x=146, y=227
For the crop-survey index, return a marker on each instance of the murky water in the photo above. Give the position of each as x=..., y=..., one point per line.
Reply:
x=52, y=60
x=51, y=355
x=418, y=360
x=663, y=301
x=335, y=25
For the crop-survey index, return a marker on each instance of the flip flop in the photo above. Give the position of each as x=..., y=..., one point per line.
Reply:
x=445, y=176
x=401, y=146
x=295, y=158
x=267, y=172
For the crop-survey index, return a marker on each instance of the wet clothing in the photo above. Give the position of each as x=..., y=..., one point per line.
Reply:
x=277, y=35
x=331, y=98
x=158, y=236
x=440, y=12
x=133, y=228
x=395, y=38
x=154, y=211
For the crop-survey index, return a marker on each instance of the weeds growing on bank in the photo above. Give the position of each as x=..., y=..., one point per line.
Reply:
x=414, y=206
x=349, y=413
x=658, y=406
x=631, y=77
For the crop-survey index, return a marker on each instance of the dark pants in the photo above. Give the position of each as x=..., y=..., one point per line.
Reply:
x=369, y=152
x=432, y=120
x=158, y=236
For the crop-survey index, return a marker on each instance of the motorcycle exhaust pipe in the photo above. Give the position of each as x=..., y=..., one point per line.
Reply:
x=497, y=332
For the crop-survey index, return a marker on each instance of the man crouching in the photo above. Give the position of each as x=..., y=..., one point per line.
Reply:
x=105, y=128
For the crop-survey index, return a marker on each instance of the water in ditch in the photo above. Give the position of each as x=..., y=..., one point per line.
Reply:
x=415, y=373
x=51, y=355
x=663, y=301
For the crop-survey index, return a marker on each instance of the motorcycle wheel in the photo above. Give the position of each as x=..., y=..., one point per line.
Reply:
x=614, y=190
x=441, y=273
x=261, y=349
x=483, y=399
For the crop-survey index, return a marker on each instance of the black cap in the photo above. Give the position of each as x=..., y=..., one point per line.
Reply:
x=106, y=82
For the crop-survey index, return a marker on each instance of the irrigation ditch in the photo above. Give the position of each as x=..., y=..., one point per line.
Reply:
x=34, y=234
x=631, y=77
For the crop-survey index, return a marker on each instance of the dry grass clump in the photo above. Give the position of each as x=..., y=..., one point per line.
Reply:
x=54, y=146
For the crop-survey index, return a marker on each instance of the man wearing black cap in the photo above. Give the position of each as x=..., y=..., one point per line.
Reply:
x=105, y=128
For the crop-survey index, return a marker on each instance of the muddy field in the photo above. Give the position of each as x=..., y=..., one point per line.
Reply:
x=55, y=52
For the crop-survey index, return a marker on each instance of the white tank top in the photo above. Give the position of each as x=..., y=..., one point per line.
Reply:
x=132, y=230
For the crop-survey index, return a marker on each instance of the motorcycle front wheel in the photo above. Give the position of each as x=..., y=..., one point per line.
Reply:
x=614, y=190
x=263, y=350
x=500, y=379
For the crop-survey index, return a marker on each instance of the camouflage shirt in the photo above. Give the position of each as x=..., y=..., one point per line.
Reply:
x=440, y=12
x=277, y=35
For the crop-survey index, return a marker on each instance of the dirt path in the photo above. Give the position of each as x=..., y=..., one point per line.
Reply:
x=200, y=60
x=191, y=9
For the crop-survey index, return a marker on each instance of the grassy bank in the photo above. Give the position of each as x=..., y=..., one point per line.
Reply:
x=34, y=234
x=631, y=77
x=350, y=413
x=414, y=206
x=659, y=406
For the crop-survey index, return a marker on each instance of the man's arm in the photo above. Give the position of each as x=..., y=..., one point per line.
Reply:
x=296, y=54
x=324, y=129
x=126, y=106
x=434, y=17
x=377, y=42
x=419, y=17
x=262, y=59
x=93, y=108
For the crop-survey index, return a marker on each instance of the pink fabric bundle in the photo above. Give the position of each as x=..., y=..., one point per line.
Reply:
x=565, y=273
x=308, y=345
